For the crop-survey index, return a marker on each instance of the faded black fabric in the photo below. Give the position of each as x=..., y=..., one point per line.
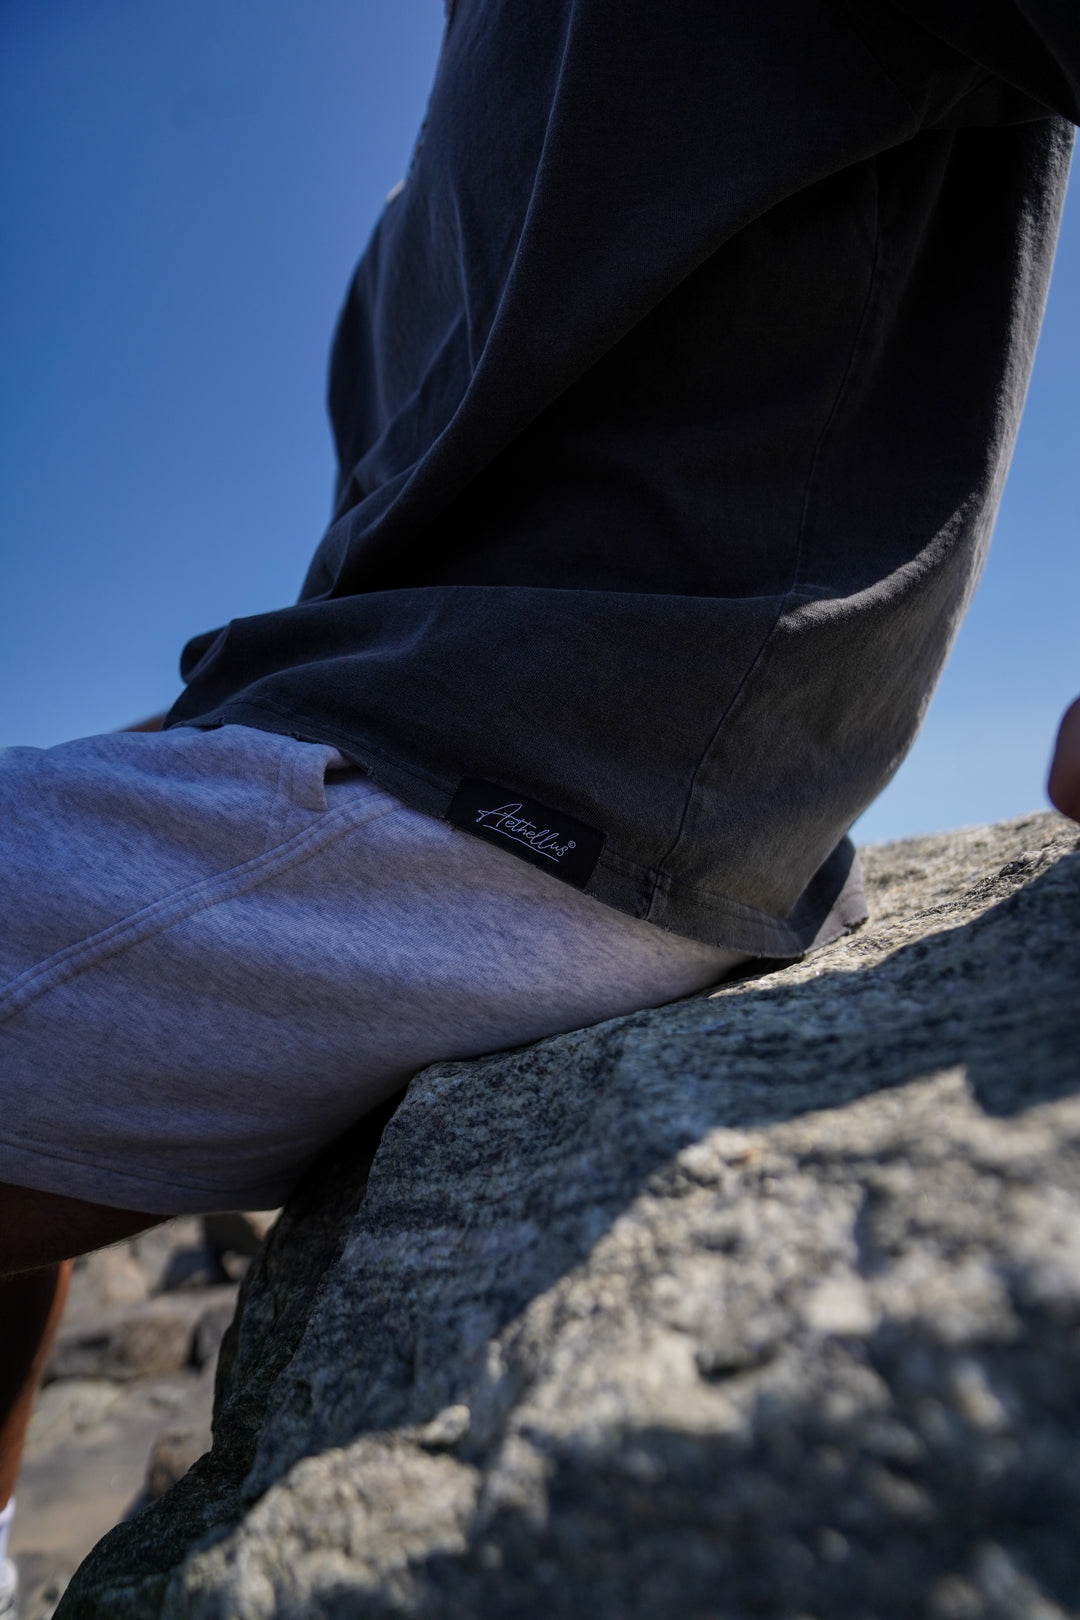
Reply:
x=673, y=397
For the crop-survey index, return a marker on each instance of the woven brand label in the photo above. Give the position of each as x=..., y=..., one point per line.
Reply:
x=546, y=838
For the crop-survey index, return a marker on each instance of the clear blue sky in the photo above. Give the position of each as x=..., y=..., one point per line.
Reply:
x=184, y=188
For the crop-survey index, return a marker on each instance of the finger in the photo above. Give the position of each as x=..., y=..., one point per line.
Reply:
x=1064, y=782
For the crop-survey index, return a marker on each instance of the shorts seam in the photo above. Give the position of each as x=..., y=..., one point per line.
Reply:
x=65, y=965
x=275, y=820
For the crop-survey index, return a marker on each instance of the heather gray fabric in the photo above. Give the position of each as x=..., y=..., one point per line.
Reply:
x=218, y=948
x=673, y=399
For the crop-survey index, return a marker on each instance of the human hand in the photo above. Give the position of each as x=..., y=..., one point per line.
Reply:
x=1064, y=783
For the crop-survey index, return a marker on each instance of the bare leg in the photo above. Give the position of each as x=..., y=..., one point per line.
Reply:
x=30, y=1307
x=38, y=1233
x=39, y=1229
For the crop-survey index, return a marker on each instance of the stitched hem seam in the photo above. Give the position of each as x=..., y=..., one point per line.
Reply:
x=162, y=914
x=396, y=775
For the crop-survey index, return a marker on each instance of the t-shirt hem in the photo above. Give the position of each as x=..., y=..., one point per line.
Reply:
x=691, y=911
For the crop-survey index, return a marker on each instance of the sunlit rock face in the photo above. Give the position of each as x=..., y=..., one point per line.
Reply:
x=765, y=1303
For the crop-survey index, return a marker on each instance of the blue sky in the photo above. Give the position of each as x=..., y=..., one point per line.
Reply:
x=185, y=188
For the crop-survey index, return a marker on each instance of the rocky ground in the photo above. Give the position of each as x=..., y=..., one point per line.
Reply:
x=126, y=1404
x=765, y=1304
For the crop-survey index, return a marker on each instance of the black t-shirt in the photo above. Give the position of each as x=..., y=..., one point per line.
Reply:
x=673, y=398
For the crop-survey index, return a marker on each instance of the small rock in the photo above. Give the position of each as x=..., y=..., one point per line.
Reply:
x=155, y=1248
x=237, y=1232
x=185, y=1438
x=193, y=1268
x=41, y=1586
x=212, y=1327
x=71, y=1406
x=150, y=1339
x=175, y=1450
x=116, y=1276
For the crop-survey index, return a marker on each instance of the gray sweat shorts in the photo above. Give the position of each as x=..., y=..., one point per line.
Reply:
x=220, y=948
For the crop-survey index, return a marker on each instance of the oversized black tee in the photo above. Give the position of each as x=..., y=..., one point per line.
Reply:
x=673, y=398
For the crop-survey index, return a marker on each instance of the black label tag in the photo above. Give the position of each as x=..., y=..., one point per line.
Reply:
x=555, y=842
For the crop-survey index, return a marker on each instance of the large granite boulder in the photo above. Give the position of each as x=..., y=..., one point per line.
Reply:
x=763, y=1304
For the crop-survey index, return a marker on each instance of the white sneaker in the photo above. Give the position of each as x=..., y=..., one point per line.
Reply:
x=9, y=1590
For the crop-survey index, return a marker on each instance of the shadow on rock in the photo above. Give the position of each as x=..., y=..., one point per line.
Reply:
x=762, y=1303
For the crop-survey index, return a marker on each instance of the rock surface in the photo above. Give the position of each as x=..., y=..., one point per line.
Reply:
x=763, y=1304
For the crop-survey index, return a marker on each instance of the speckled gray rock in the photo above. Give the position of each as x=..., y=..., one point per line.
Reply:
x=766, y=1303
